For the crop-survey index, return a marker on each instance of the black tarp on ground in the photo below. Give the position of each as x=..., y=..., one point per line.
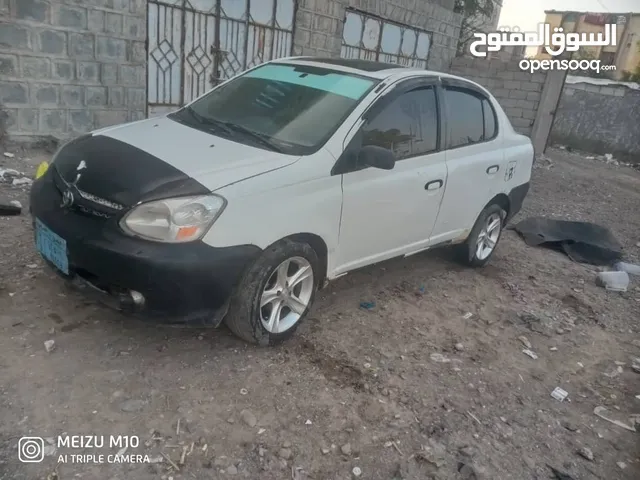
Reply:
x=582, y=241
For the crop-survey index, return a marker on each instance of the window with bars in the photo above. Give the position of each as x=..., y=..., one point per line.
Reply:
x=372, y=38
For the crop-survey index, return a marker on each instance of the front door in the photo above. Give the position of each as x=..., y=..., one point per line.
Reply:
x=387, y=213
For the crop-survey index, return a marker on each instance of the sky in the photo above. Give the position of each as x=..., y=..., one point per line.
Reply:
x=527, y=14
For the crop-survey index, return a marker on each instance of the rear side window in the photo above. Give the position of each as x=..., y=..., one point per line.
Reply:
x=490, y=126
x=465, y=120
x=470, y=118
x=408, y=126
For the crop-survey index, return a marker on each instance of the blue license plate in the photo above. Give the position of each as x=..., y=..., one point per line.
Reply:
x=52, y=247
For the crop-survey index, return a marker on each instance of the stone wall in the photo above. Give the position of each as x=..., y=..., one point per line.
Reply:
x=319, y=25
x=69, y=66
x=599, y=117
x=519, y=93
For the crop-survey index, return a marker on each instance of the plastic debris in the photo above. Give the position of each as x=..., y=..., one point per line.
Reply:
x=586, y=452
x=614, y=373
x=9, y=155
x=49, y=345
x=600, y=412
x=8, y=173
x=525, y=341
x=10, y=209
x=530, y=353
x=356, y=471
x=367, y=305
x=439, y=358
x=21, y=181
x=42, y=169
x=559, y=394
x=613, y=281
x=630, y=268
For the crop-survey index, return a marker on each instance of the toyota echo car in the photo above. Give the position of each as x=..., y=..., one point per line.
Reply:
x=240, y=205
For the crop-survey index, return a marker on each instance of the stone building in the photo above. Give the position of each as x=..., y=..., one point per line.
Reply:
x=625, y=54
x=69, y=66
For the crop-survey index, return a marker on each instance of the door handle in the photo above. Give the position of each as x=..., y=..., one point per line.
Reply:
x=493, y=169
x=434, y=185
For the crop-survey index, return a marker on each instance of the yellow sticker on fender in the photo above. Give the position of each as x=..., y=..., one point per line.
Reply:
x=42, y=169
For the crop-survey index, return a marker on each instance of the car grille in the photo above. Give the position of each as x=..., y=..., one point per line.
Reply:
x=86, y=202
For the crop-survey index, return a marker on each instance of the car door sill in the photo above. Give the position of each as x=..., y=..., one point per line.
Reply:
x=436, y=245
x=415, y=252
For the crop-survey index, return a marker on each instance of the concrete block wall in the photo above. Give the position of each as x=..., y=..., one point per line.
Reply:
x=599, y=119
x=69, y=66
x=319, y=25
x=519, y=93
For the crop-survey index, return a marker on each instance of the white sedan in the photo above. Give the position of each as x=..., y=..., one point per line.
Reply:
x=240, y=205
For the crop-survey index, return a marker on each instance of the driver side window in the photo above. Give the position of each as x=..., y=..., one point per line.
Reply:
x=408, y=126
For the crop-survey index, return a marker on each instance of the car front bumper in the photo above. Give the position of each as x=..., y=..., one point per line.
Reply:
x=178, y=283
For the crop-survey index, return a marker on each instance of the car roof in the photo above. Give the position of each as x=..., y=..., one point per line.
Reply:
x=379, y=70
x=357, y=63
x=367, y=68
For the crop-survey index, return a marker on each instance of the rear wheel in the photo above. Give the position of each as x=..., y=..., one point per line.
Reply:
x=484, y=236
x=275, y=294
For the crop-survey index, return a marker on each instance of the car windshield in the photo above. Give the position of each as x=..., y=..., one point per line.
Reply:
x=293, y=109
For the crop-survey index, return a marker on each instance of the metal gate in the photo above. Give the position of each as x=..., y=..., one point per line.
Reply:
x=195, y=44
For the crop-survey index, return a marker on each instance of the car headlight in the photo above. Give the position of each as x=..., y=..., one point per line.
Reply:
x=174, y=220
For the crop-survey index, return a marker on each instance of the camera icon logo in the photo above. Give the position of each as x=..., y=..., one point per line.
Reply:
x=31, y=449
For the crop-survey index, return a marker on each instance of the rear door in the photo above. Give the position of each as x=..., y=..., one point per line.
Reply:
x=474, y=157
x=386, y=213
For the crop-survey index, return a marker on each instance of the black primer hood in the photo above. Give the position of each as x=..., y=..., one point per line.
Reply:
x=118, y=172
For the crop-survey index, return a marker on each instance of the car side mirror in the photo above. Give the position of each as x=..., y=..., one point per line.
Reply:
x=376, y=157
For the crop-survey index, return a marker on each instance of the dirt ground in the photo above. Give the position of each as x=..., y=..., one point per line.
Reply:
x=431, y=383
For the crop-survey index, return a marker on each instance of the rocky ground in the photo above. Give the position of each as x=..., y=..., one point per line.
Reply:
x=430, y=383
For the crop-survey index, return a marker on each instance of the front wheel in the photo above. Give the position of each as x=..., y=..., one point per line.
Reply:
x=484, y=236
x=275, y=294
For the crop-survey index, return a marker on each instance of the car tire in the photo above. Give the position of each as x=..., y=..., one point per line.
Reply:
x=485, y=231
x=253, y=320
